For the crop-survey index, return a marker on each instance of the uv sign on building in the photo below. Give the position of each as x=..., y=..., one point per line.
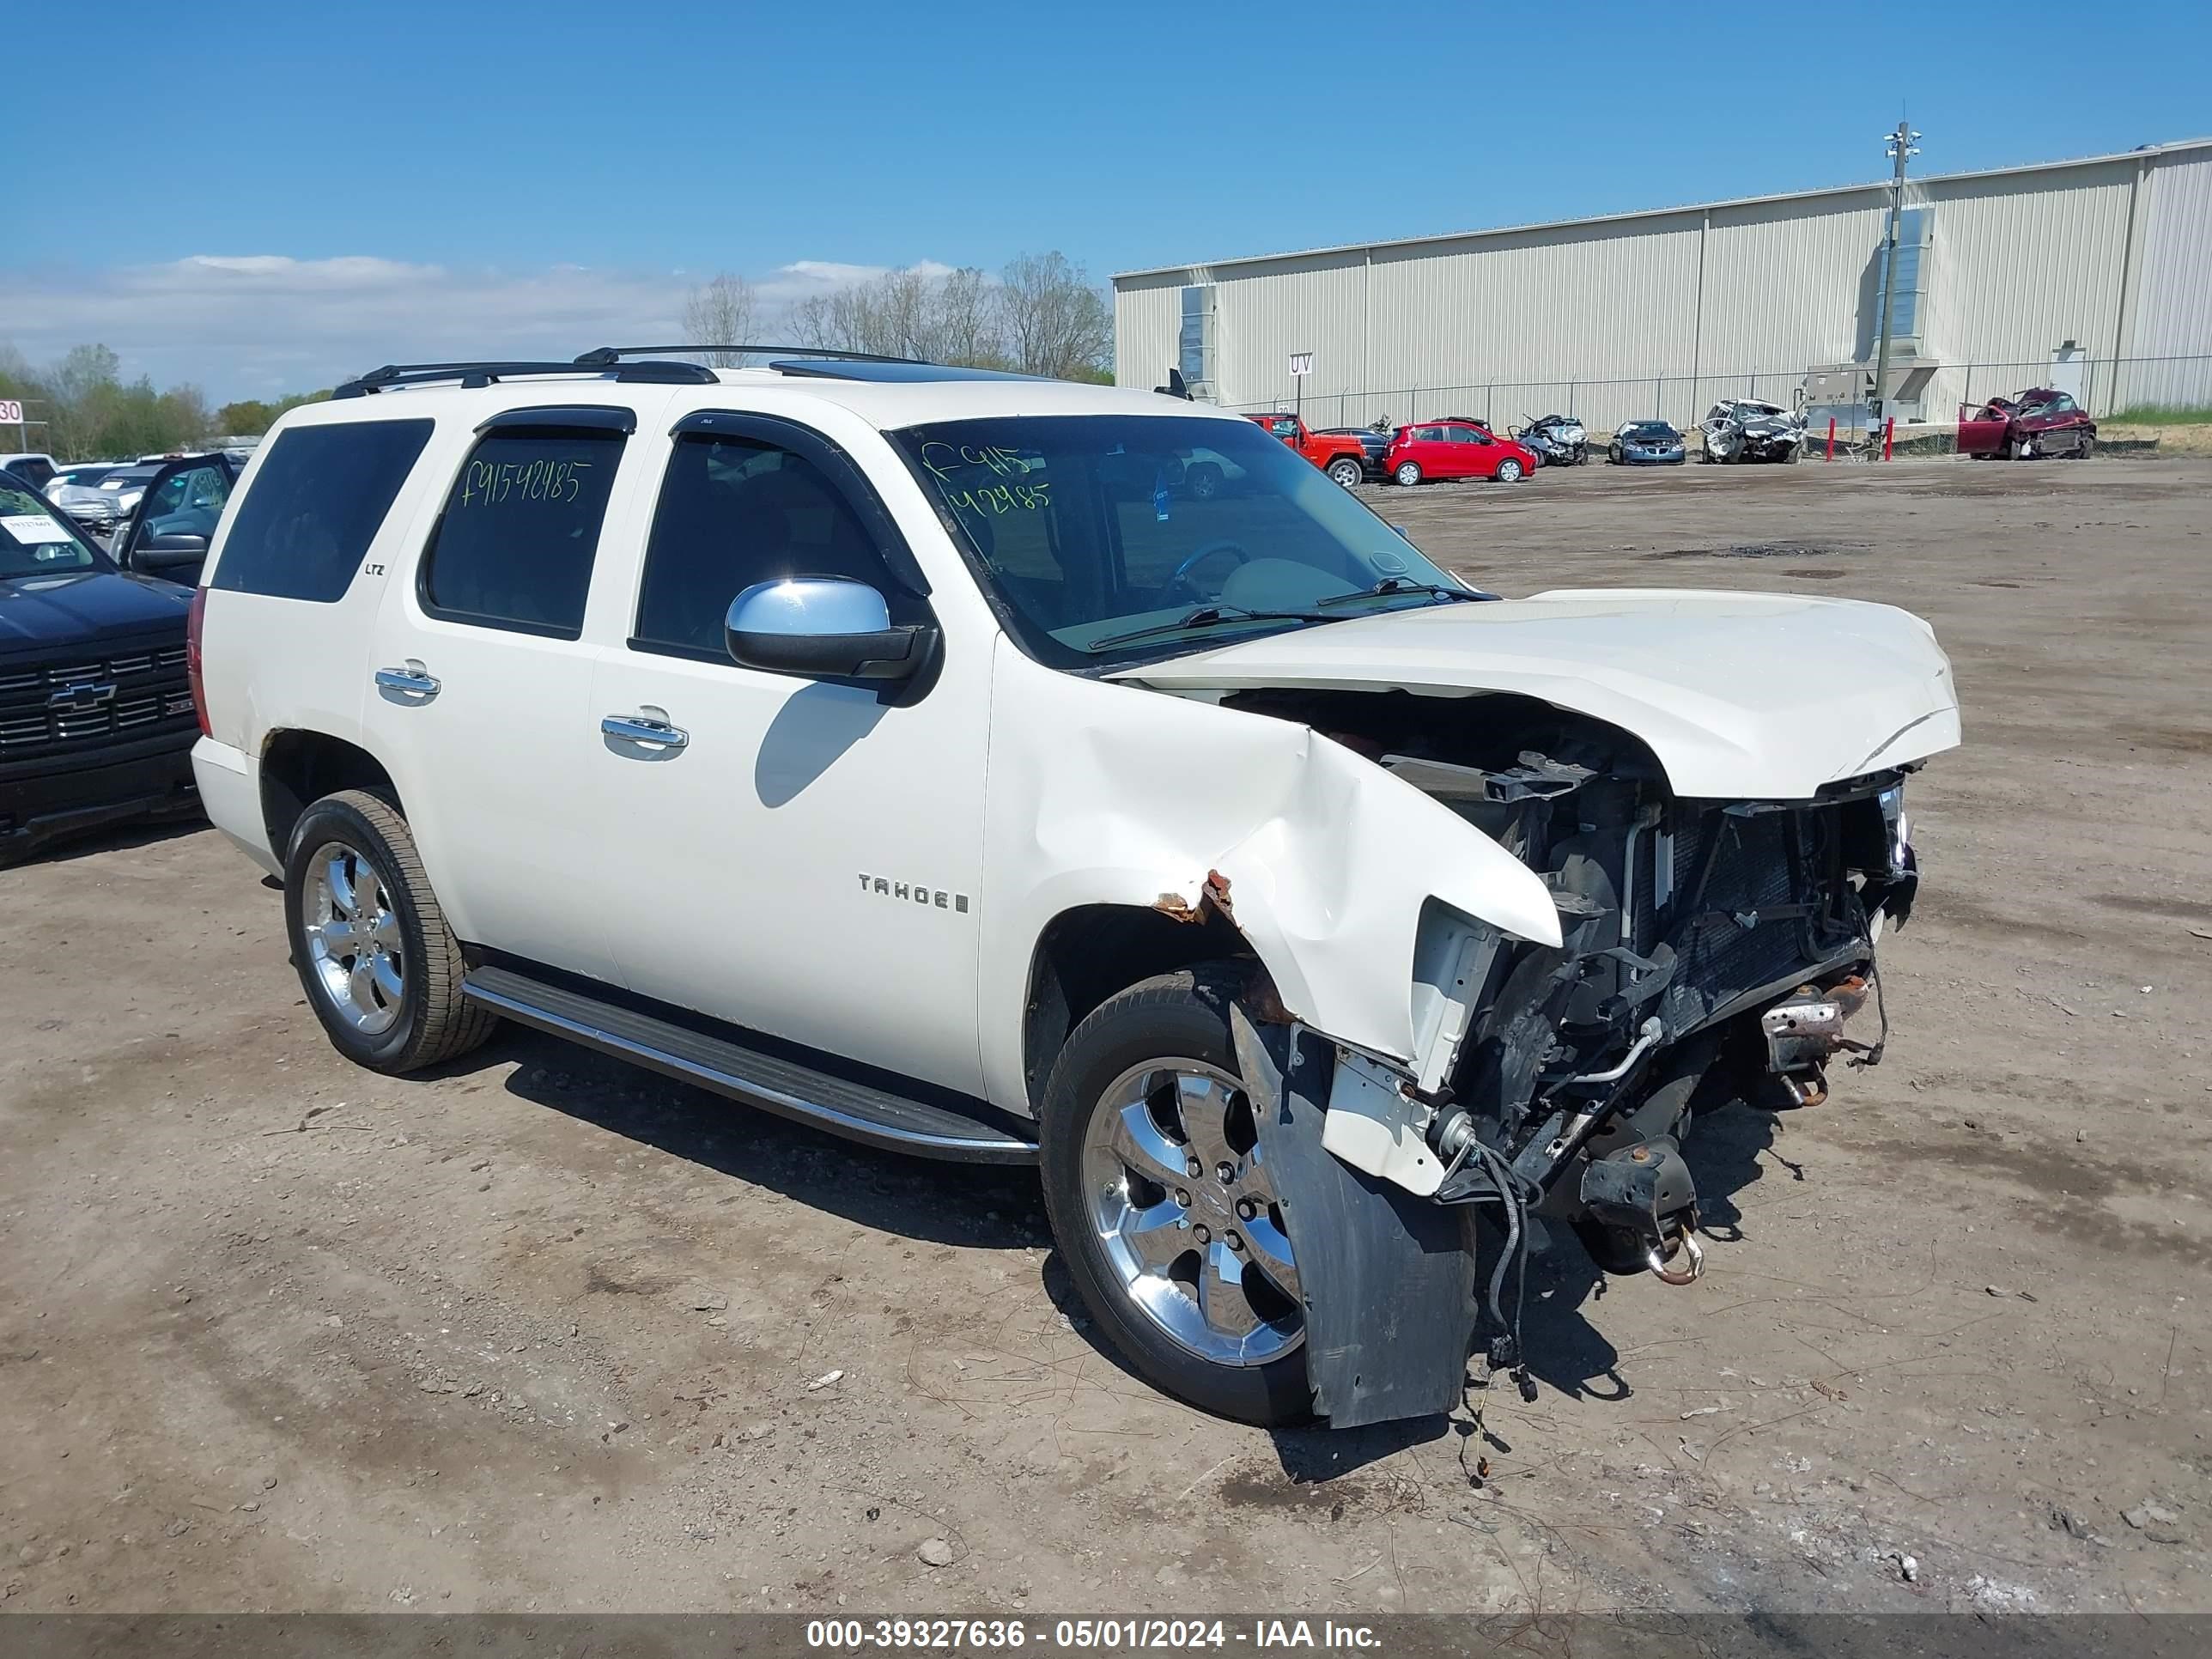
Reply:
x=2090, y=273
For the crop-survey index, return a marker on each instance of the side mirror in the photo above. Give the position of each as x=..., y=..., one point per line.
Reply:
x=1403, y=532
x=821, y=628
x=167, y=552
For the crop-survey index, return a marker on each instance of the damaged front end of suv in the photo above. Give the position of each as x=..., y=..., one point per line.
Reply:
x=1712, y=944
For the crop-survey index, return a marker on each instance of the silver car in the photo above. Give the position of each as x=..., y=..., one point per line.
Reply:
x=76, y=490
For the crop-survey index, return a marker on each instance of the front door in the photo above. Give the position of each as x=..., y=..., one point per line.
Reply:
x=798, y=856
x=168, y=535
x=1474, y=452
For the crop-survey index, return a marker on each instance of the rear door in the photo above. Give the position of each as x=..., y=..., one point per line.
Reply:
x=479, y=699
x=1432, y=450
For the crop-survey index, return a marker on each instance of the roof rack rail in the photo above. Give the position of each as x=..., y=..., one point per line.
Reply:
x=487, y=372
x=609, y=357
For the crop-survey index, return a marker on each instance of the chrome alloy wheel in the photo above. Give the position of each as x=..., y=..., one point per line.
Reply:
x=1186, y=1215
x=353, y=938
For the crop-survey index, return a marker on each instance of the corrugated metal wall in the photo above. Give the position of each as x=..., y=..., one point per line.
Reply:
x=1664, y=313
x=2171, y=315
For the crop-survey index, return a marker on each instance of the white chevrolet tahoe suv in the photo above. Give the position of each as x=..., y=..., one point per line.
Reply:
x=906, y=750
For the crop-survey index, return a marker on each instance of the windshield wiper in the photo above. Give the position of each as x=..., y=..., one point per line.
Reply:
x=1204, y=617
x=1400, y=585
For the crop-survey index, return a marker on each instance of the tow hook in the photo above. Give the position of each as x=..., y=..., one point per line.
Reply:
x=1803, y=1030
x=1692, y=1251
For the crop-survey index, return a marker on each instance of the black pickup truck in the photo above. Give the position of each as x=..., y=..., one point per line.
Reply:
x=96, y=711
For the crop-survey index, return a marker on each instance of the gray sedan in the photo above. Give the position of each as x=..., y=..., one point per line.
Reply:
x=1645, y=443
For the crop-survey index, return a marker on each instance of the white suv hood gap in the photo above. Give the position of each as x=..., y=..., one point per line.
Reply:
x=1743, y=696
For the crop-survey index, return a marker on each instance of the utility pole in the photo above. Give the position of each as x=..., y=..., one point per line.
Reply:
x=1898, y=145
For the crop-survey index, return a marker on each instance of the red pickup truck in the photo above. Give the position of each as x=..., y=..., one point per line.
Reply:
x=1343, y=458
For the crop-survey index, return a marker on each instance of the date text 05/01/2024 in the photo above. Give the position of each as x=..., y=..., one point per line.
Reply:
x=1077, y=1634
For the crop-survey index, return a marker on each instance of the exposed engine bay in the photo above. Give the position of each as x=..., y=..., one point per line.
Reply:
x=1711, y=951
x=1745, y=429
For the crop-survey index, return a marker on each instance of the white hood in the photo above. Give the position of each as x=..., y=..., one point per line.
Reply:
x=1742, y=696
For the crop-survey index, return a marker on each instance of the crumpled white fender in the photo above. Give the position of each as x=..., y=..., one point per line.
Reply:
x=1107, y=793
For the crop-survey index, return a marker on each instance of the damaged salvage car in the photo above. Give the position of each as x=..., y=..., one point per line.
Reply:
x=896, y=748
x=1747, y=429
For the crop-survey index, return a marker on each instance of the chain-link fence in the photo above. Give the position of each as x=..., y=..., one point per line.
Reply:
x=2103, y=386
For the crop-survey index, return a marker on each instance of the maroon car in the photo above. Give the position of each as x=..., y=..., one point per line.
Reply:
x=2045, y=422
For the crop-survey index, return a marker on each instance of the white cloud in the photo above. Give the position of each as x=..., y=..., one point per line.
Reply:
x=240, y=325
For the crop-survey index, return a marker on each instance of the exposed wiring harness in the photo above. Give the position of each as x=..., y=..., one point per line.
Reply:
x=1514, y=1193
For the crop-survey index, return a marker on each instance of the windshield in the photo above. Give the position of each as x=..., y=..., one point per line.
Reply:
x=1088, y=527
x=37, y=541
x=1650, y=429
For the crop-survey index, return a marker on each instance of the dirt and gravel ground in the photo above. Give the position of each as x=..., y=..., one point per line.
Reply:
x=545, y=1333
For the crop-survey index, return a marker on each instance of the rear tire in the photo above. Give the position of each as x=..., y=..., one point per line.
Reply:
x=1175, y=1026
x=1346, y=471
x=1408, y=473
x=381, y=966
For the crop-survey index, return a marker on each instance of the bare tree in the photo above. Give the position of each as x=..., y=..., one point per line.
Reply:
x=1056, y=322
x=720, y=314
x=967, y=327
x=1044, y=317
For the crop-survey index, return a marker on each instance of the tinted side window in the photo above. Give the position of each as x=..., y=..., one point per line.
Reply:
x=514, y=547
x=187, y=503
x=34, y=471
x=737, y=511
x=317, y=503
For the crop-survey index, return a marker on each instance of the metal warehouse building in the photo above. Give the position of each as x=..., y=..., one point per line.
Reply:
x=2095, y=275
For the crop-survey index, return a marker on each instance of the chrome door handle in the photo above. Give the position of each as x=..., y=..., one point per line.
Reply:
x=408, y=679
x=648, y=725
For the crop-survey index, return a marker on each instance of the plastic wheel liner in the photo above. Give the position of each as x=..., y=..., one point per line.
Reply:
x=1387, y=1277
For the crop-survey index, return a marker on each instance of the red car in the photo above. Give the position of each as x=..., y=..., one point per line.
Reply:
x=1455, y=449
x=1342, y=457
x=2045, y=422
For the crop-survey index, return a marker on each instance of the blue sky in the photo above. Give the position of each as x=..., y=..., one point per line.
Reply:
x=290, y=192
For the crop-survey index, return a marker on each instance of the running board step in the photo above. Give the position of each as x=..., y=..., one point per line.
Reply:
x=858, y=1111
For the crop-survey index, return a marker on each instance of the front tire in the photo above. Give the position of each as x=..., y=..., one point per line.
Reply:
x=1203, y=481
x=1345, y=471
x=1161, y=1204
x=381, y=968
x=1509, y=471
x=1408, y=473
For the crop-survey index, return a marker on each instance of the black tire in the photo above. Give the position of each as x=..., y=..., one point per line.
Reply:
x=436, y=1022
x=1346, y=471
x=1204, y=480
x=1184, y=1014
x=1512, y=475
x=1408, y=473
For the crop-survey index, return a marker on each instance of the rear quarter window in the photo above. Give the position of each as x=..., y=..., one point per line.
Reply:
x=514, y=547
x=322, y=493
